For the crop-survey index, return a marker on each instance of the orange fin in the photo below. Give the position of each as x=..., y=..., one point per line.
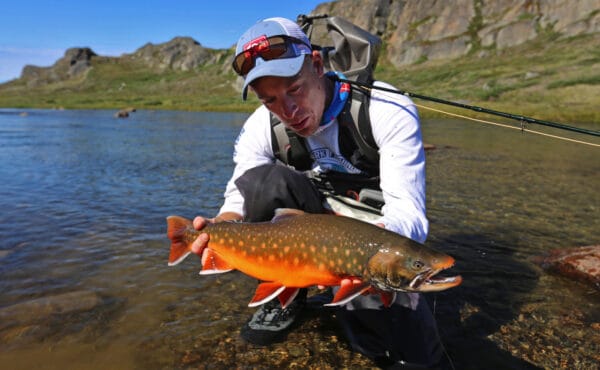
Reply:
x=212, y=263
x=287, y=296
x=265, y=292
x=349, y=289
x=286, y=212
x=176, y=230
x=387, y=298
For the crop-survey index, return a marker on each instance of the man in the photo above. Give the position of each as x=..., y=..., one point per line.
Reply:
x=278, y=64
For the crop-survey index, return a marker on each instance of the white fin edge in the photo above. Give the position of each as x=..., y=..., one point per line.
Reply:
x=177, y=261
x=267, y=299
x=213, y=272
x=347, y=299
x=290, y=299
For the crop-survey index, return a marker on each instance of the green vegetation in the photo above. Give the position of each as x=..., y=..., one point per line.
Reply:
x=114, y=83
x=548, y=78
x=474, y=26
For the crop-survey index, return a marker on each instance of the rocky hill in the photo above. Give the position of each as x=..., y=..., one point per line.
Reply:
x=75, y=63
x=530, y=53
x=179, y=54
x=416, y=31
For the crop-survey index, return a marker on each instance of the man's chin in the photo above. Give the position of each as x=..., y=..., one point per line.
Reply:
x=304, y=129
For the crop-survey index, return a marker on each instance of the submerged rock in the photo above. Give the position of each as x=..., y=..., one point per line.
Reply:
x=579, y=263
x=40, y=309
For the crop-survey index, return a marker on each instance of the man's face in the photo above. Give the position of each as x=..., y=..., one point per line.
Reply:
x=299, y=101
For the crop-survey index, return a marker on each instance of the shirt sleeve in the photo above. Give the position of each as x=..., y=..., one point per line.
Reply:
x=397, y=133
x=252, y=148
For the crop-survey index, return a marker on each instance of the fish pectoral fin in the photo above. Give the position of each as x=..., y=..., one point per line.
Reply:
x=266, y=292
x=281, y=213
x=212, y=263
x=387, y=298
x=287, y=296
x=349, y=289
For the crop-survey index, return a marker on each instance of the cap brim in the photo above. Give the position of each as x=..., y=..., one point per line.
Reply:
x=287, y=67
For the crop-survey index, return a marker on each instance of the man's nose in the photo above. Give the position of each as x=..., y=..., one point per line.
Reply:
x=289, y=108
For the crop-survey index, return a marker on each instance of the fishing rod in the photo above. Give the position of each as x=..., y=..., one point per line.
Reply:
x=474, y=108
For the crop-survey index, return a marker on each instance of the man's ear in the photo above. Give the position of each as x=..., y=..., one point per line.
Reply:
x=317, y=62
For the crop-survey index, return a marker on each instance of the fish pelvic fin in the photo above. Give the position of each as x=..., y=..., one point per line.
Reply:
x=266, y=292
x=212, y=263
x=176, y=230
x=350, y=288
x=287, y=296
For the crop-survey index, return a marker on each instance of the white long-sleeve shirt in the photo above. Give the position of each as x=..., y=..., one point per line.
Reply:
x=396, y=130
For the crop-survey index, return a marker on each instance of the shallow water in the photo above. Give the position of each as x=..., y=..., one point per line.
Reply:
x=84, y=198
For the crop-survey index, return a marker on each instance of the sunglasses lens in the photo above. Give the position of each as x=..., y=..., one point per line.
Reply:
x=277, y=48
x=242, y=64
x=274, y=52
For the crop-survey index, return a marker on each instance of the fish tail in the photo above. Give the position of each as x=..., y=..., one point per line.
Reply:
x=177, y=228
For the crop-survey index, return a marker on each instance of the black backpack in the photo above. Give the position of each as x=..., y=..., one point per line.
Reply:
x=354, y=53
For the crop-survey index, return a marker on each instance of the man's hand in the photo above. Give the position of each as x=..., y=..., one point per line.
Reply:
x=202, y=240
x=200, y=223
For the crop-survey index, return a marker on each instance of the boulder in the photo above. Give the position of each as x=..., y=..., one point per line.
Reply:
x=124, y=113
x=579, y=263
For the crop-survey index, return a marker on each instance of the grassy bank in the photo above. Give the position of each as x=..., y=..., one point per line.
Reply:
x=548, y=79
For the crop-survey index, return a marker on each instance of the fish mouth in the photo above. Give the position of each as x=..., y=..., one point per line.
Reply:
x=428, y=282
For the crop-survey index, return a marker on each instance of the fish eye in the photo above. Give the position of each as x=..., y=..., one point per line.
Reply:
x=418, y=265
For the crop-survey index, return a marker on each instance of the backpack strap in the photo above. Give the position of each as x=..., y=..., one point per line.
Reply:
x=289, y=147
x=355, y=117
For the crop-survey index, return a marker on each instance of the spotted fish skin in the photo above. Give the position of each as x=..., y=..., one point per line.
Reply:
x=301, y=250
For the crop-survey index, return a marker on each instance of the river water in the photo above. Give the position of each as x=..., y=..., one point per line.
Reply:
x=84, y=281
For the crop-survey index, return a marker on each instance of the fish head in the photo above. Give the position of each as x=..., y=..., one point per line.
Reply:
x=410, y=269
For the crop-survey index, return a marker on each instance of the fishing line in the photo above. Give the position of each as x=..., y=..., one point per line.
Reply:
x=441, y=341
x=521, y=119
x=522, y=128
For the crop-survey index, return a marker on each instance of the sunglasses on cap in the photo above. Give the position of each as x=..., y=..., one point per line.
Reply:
x=267, y=48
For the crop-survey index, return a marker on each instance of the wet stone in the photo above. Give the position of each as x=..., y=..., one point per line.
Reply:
x=578, y=263
x=40, y=309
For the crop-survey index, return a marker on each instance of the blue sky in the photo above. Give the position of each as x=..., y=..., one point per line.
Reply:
x=38, y=32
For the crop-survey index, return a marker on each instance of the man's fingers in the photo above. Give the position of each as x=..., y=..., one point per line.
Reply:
x=199, y=222
x=200, y=243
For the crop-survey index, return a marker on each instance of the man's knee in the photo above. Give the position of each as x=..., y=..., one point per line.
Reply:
x=268, y=187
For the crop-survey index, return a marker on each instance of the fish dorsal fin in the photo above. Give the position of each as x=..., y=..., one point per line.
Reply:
x=350, y=288
x=281, y=213
x=212, y=263
x=265, y=292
